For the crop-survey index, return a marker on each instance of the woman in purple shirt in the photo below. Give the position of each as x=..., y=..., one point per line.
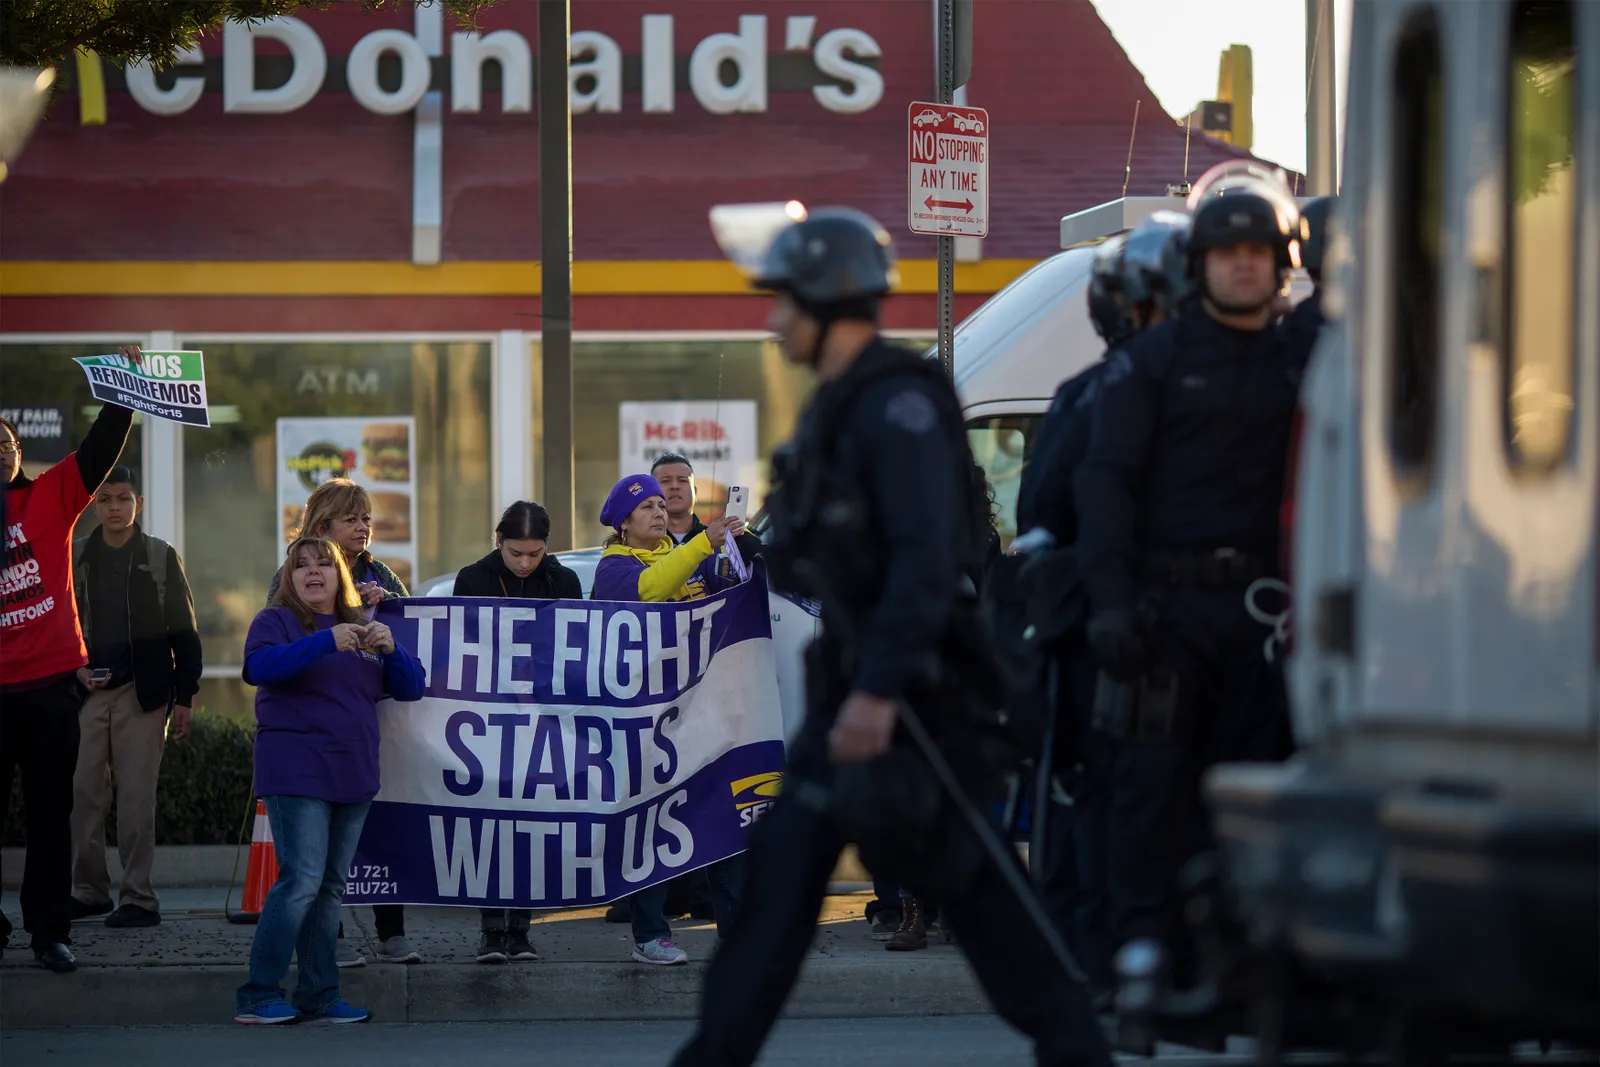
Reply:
x=320, y=669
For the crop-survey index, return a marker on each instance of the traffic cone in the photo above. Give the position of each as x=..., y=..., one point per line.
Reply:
x=262, y=871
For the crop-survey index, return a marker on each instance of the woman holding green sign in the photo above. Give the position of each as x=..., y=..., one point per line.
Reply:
x=41, y=650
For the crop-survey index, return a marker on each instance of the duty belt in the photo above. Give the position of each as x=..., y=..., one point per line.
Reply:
x=1222, y=566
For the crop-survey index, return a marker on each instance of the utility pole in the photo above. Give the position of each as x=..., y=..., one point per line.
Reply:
x=1322, y=130
x=555, y=264
x=945, y=245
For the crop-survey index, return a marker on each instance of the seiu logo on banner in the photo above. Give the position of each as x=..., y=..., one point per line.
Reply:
x=569, y=753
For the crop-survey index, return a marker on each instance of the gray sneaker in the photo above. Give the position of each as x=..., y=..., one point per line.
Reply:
x=398, y=950
x=347, y=955
x=661, y=952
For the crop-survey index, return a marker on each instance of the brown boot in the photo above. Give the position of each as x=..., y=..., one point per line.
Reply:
x=911, y=935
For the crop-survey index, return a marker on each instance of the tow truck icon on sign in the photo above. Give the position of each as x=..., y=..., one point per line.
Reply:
x=930, y=118
x=966, y=124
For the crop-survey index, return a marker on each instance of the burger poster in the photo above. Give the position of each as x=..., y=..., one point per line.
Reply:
x=377, y=453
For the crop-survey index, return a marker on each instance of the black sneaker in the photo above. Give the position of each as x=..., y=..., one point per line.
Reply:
x=518, y=947
x=77, y=909
x=131, y=915
x=56, y=957
x=492, y=947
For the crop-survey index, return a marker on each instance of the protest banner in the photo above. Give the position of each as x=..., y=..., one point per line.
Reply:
x=569, y=753
x=162, y=385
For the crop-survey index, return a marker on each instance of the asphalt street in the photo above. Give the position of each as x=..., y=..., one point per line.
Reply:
x=951, y=1041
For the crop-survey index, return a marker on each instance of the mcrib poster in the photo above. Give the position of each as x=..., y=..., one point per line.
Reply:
x=719, y=437
x=378, y=453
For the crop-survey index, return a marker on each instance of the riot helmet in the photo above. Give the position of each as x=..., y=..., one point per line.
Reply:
x=834, y=264
x=1232, y=173
x=834, y=256
x=1314, y=215
x=1109, y=308
x=1155, y=264
x=1244, y=201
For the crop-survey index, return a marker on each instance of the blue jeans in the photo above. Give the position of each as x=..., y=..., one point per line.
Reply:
x=647, y=907
x=315, y=842
x=647, y=911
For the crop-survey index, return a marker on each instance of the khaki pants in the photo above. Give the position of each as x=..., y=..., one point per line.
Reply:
x=114, y=732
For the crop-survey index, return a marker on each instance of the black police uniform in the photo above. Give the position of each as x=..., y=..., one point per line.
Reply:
x=1179, y=502
x=1072, y=876
x=875, y=516
x=1045, y=496
x=1306, y=320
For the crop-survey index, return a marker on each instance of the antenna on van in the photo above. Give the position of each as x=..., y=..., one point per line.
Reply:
x=716, y=422
x=1188, y=126
x=1127, y=168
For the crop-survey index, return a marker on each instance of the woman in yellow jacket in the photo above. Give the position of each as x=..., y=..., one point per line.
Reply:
x=640, y=563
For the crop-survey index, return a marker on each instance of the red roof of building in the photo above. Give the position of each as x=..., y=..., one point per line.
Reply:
x=333, y=181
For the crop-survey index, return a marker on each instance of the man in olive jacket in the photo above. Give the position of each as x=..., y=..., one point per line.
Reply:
x=144, y=665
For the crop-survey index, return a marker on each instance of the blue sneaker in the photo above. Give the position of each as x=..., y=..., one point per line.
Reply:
x=268, y=1013
x=340, y=1011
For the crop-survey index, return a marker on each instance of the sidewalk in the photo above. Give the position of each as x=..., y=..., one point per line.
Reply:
x=185, y=970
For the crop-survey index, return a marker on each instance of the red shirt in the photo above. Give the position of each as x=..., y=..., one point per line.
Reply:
x=40, y=637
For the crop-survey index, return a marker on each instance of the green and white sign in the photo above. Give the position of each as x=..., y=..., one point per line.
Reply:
x=162, y=385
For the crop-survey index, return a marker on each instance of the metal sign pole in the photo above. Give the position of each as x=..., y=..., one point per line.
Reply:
x=946, y=245
x=555, y=267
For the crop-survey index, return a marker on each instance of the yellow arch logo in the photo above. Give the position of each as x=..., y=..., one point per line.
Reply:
x=91, y=89
x=756, y=789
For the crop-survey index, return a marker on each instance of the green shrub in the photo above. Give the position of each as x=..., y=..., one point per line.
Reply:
x=203, y=794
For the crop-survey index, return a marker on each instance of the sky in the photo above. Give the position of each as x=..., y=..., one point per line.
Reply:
x=1176, y=44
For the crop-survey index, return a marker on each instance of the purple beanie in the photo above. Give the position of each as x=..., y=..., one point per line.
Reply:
x=626, y=495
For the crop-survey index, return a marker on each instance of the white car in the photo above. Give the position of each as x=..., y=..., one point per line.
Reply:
x=795, y=624
x=966, y=124
x=929, y=118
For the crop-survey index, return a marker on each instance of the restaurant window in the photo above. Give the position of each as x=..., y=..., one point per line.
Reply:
x=411, y=420
x=654, y=396
x=1541, y=222
x=626, y=393
x=47, y=395
x=1002, y=446
x=1416, y=149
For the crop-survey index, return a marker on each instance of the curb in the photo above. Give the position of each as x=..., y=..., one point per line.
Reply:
x=829, y=987
x=204, y=866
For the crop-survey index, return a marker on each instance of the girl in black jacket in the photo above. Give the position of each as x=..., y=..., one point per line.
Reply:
x=519, y=567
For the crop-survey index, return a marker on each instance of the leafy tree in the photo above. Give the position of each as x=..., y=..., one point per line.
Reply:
x=42, y=33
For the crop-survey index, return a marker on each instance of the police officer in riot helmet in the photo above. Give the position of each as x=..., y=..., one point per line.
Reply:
x=1306, y=319
x=1115, y=322
x=876, y=516
x=1179, y=499
x=1139, y=280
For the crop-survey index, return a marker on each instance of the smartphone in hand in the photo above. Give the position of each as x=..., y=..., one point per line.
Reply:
x=738, y=502
x=100, y=675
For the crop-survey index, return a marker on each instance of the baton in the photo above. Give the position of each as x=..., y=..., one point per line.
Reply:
x=807, y=570
x=992, y=845
x=1045, y=770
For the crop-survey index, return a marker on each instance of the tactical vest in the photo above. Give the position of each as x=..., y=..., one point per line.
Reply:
x=822, y=544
